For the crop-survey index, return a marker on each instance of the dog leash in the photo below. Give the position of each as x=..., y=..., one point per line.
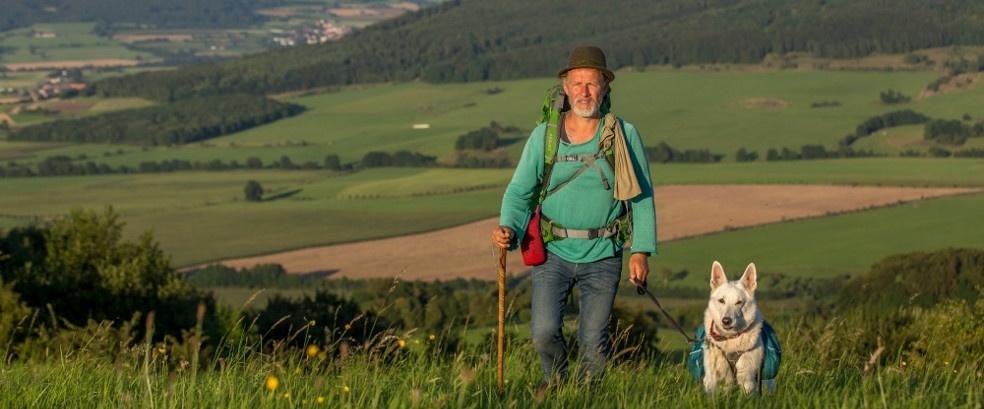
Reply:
x=641, y=288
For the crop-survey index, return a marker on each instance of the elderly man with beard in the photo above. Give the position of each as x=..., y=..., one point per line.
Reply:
x=582, y=201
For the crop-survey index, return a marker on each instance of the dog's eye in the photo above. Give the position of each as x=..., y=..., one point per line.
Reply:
x=721, y=300
x=739, y=302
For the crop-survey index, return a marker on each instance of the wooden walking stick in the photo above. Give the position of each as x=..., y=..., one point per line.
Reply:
x=502, y=312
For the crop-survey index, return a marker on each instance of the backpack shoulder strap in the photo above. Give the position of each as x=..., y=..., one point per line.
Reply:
x=553, y=105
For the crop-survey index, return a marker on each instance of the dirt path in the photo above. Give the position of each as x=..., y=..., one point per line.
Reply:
x=682, y=211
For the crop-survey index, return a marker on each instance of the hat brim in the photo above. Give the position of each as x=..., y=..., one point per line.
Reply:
x=604, y=71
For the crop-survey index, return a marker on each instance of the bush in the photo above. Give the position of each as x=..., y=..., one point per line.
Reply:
x=77, y=275
x=253, y=191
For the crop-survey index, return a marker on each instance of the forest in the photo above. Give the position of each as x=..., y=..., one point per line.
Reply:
x=193, y=120
x=452, y=42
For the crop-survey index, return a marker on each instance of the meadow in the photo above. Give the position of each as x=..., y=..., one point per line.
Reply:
x=200, y=216
x=71, y=42
x=421, y=370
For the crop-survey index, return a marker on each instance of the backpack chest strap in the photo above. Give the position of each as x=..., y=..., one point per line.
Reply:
x=589, y=162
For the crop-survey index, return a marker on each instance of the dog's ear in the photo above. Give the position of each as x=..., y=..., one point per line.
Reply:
x=717, y=276
x=750, y=278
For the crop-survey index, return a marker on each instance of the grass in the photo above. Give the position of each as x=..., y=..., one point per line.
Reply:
x=687, y=110
x=73, y=41
x=410, y=370
x=189, y=212
x=830, y=246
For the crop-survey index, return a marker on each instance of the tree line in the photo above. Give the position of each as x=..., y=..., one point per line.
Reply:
x=532, y=39
x=168, y=124
x=483, y=148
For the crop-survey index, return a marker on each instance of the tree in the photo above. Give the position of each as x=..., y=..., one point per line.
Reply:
x=745, y=156
x=332, y=162
x=78, y=269
x=253, y=162
x=253, y=191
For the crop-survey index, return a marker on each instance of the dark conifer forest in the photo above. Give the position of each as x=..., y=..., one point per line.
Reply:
x=476, y=40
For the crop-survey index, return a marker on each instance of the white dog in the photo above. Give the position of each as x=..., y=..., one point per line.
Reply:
x=733, y=346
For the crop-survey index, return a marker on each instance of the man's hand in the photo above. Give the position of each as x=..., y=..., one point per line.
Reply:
x=638, y=268
x=502, y=236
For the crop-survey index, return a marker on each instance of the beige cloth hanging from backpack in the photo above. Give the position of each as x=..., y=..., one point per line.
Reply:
x=612, y=137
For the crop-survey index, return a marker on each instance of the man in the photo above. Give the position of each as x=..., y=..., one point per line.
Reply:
x=585, y=202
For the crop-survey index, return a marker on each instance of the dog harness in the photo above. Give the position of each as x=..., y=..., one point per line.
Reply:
x=770, y=342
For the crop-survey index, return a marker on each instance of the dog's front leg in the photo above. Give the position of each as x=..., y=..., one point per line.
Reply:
x=747, y=368
x=716, y=370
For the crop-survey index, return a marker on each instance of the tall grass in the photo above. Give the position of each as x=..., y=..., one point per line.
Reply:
x=413, y=369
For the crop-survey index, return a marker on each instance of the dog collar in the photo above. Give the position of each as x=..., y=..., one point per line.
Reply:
x=718, y=337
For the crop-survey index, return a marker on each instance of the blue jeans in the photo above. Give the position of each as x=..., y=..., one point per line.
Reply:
x=553, y=282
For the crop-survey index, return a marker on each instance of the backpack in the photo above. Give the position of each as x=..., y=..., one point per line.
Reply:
x=554, y=104
x=770, y=365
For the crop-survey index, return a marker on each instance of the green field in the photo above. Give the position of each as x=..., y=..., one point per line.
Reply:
x=72, y=41
x=201, y=216
x=687, y=110
x=829, y=246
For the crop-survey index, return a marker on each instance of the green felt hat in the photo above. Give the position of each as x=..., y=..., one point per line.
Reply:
x=588, y=56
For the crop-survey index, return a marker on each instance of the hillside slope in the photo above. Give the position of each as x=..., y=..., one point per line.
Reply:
x=454, y=41
x=683, y=211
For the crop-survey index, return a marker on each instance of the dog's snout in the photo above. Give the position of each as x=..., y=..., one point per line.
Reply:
x=726, y=320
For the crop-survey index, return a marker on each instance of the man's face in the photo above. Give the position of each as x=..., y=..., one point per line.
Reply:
x=585, y=88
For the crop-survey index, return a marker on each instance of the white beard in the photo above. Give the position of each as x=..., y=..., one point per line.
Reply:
x=590, y=112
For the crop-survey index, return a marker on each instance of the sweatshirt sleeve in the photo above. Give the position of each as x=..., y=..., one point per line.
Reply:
x=515, y=212
x=643, y=205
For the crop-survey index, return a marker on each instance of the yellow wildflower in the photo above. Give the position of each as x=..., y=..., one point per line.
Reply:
x=272, y=382
x=311, y=324
x=401, y=343
x=312, y=350
x=431, y=337
x=345, y=389
x=320, y=399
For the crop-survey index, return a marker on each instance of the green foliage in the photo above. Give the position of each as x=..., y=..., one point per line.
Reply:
x=919, y=279
x=191, y=120
x=381, y=373
x=893, y=97
x=485, y=139
x=78, y=273
x=744, y=155
x=663, y=153
x=13, y=314
x=322, y=318
x=876, y=123
x=904, y=295
x=950, y=132
x=401, y=158
x=259, y=276
x=253, y=192
x=675, y=32
x=946, y=336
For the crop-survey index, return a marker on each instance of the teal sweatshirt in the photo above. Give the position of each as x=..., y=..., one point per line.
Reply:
x=583, y=203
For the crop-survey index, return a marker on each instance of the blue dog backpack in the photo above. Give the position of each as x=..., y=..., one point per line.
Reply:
x=770, y=365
